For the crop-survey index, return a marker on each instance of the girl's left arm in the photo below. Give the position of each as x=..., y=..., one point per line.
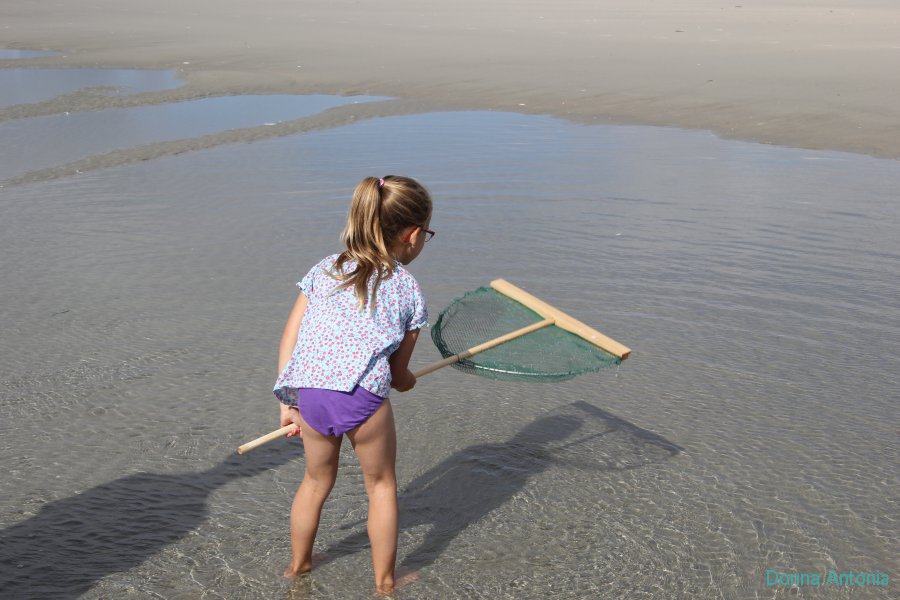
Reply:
x=402, y=379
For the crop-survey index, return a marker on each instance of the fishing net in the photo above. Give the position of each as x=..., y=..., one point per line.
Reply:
x=548, y=354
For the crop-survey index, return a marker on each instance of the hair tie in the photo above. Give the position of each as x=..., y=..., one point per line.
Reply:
x=380, y=183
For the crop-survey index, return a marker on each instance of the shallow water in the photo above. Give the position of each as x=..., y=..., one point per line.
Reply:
x=12, y=54
x=41, y=142
x=753, y=428
x=27, y=86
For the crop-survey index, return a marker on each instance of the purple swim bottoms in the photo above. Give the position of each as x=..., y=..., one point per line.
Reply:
x=335, y=413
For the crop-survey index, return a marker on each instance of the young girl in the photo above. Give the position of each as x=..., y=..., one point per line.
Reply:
x=347, y=341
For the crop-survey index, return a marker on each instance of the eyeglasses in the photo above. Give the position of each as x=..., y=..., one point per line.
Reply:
x=428, y=234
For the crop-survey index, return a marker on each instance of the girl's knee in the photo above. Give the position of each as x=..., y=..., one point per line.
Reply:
x=319, y=486
x=380, y=485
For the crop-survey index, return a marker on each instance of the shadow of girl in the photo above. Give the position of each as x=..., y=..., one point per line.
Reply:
x=478, y=479
x=468, y=486
x=72, y=543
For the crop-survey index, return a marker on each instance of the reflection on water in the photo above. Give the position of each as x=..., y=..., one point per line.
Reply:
x=27, y=86
x=10, y=54
x=36, y=143
x=753, y=428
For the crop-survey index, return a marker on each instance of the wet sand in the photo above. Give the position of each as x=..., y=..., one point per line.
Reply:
x=822, y=75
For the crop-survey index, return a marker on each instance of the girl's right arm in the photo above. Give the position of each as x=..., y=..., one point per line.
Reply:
x=291, y=330
x=402, y=379
x=285, y=351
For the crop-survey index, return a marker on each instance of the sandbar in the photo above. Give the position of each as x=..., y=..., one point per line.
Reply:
x=821, y=74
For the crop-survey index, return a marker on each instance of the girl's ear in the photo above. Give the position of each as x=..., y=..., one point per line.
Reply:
x=409, y=233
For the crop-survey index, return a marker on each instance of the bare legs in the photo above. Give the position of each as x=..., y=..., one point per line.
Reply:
x=375, y=443
x=322, y=453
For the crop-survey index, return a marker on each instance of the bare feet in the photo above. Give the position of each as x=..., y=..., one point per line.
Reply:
x=297, y=569
x=403, y=577
x=300, y=568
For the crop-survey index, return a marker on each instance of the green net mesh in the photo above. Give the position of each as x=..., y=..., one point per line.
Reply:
x=549, y=354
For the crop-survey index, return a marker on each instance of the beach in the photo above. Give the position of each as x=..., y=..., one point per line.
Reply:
x=712, y=185
x=821, y=75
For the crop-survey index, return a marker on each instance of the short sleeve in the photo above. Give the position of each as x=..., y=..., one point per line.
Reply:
x=419, y=313
x=307, y=284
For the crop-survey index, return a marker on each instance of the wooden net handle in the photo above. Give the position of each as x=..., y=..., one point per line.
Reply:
x=265, y=439
x=484, y=346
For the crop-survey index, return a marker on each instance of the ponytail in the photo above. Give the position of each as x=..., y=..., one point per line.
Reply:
x=379, y=211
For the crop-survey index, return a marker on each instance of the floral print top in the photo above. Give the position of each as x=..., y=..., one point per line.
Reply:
x=340, y=346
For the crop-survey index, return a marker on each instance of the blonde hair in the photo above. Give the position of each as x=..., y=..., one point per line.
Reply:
x=380, y=210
